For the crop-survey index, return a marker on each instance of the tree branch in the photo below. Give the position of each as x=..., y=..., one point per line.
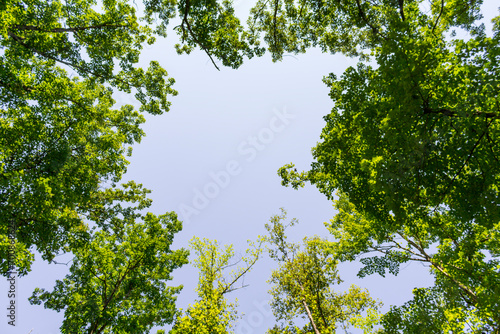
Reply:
x=276, y=3
x=309, y=315
x=228, y=287
x=109, y=25
x=365, y=19
x=401, y=9
x=439, y=16
x=451, y=113
x=463, y=165
x=19, y=40
x=186, y=21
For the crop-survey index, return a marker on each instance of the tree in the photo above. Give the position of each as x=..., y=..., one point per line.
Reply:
x=354, y=28
x=213, y=27
x=411, y=145
x=62, y=136
x=117, y=281
x=212, y=313
x=411, y=149
x=433, y=311
x=302, y=287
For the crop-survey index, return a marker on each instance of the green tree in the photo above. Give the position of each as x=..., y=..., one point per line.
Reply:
x=213, y=27
x=118, y=279
x=302, y=287
x=212, y=312
x=62, y=135
x=432, y=310
x=354, y=28
x=411, y=146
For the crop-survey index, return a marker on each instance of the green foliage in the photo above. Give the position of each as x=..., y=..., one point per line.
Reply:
x=432, y=310
x=212, y=26
x=212, y=313
x=61, y=133
x=302, y=287
x=353, y=28
x=411, y=149
x=117, y=281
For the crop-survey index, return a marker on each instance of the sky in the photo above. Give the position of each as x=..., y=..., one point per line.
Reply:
x=213, y=158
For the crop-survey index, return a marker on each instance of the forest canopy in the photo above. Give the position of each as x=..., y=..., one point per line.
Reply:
x=410, y=154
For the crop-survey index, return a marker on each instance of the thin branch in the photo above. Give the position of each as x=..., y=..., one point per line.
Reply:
x=12, y=87
x=74, y=66
x=364, y=18
x=229, y=287
x=110, y=25
x=463, y=165
x=276, y=3
x=231, y=265
x=451, y=113
x=460, y=285
x=193, y=35
x=401, y=9
x=491, y=146
x=309, y=315
x=129, y=268
x=258, y=13
x=439, y=17
x=442, y=270
x=236, y=288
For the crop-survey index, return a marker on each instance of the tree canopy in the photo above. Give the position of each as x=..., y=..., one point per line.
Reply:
x=411, y=150
x=409, y=155
x=117, y=282
x=212, y=312
x=62, y=136
x=302, y=287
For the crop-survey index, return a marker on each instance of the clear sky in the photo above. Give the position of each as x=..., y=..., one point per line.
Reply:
x=213, y=159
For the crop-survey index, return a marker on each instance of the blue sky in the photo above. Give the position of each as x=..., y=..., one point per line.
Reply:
x=213, y=158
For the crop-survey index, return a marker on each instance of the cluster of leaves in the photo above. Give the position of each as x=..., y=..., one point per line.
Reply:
x=62, y=139
x=212, y=26
x=61, y=134
x=212, y=312
x=303, y=287
x=117, y=280
x=411, y=150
